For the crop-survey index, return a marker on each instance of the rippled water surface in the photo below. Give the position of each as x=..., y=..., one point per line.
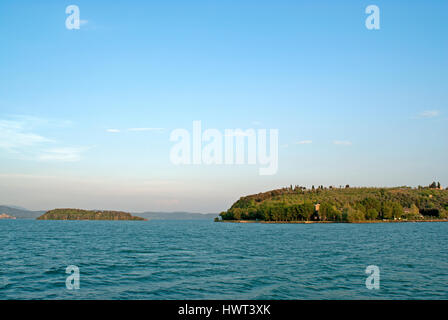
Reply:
x=207, y=260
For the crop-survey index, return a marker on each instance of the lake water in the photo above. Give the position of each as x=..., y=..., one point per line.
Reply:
x=207, y=260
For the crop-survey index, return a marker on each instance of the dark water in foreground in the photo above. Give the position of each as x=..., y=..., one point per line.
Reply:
x=206, y=260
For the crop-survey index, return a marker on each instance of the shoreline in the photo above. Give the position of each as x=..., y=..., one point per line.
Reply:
x=311, y=222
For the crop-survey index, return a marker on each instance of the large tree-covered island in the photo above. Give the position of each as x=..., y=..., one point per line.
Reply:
x=342, y=204
x=78, y=214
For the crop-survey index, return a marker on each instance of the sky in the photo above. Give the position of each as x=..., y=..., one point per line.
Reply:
x=86, y=115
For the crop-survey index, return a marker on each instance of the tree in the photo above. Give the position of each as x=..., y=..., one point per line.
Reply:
x=277, y=213
x=252, y=213
x=237, y=213
x=329, y=212
x=226, y=215
x=352, y=215
x=302, y=211
x=371, y=214
x=397, y=210
x=412, y=212
x=430, y=212
x=371, y=203
x=290, y=213
x=308, y=209
x=387, y=210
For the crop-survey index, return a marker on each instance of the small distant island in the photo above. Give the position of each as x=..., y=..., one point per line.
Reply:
x=6, y=216
x=78, y=214
x=296, y=204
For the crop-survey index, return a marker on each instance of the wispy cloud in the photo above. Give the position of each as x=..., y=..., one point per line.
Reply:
x=62, y=154
x=304, y=142
x=239, y=133
x=145, y=129
x=342, y=143
x=18, y=137
x=14, y=136
x=112, y=130
x=32, y=121
x=429, y=114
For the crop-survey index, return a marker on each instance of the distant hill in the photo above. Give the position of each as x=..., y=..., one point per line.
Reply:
x=177, y=216
x=78, y=214
x=20, y=213
x=5, y=216
x=342, y=204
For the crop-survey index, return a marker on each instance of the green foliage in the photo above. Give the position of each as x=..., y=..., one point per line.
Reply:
x=371, y=203
x=296, y=203
x=397, y=210
x=392, y=210
x=371, y=214
x=386, y=210
x=430, y=212
x=412, y=213
x=78, y=214
x=352, y=215
x=329, y=212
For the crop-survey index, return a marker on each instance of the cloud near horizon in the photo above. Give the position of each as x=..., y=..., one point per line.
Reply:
x=304, y=142
x=113, y=130
x=14, y=136
x=342, y=143
x=145, y=129
x=429, y=114
x=62, y=154
x=18, y=138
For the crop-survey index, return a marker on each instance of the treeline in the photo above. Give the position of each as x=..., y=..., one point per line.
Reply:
x=342, y=204
x=78, y=214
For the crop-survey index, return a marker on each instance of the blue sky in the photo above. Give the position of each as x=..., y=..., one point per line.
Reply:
x=352, y=105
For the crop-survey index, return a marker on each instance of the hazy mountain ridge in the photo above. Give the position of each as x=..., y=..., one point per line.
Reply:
x=176, y=215
x=22, y=213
